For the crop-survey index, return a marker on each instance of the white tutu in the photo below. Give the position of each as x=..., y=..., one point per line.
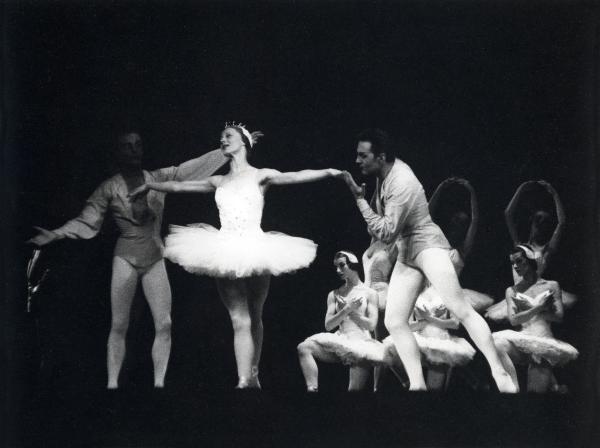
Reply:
x=450, y=351
x=537, y=348
x=478, y=300
x=351, y=350
x=203, y=249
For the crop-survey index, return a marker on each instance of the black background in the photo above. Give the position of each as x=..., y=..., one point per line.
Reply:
x=496, y=92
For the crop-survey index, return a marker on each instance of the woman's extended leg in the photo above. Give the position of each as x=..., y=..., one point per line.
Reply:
x=234, y=296
x=258, y=289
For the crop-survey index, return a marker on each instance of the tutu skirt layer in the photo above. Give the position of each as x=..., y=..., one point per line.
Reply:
x=203, y=249
x=451, y=351
x=537, y=348
x=351, y=351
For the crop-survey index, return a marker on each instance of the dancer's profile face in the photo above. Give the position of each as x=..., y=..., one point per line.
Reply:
x=231, y=141
x=341, y=267
x=519, y=263
x=130, y=149
x=367, y=161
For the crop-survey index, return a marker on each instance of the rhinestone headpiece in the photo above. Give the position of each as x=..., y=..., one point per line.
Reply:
x=241, y=127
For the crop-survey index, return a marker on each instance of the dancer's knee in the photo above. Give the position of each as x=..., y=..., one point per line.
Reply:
x=395, y=324
x=163, y=326
x=118, y=327
x=305, y=348
x=240, y=322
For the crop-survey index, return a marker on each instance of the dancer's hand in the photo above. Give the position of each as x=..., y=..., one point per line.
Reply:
x=256, y=135
x=334, y=172
x=546, y=185
x=354, y=304
x=140, y=191
x=357, y=191
x=43, y=237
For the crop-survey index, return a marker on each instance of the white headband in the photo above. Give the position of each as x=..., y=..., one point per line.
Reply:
x=528, y=251
x=349, y=255
x=242, y=128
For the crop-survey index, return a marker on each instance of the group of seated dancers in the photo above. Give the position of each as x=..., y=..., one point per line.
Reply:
x=400, y=317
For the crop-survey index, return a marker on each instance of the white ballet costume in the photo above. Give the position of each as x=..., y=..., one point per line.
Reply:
x=352, y=344
x=239, y=248
x=498, y=312
x=437, y=345
x=536, y=343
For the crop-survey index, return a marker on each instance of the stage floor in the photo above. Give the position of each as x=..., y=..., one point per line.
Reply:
x=149, y=418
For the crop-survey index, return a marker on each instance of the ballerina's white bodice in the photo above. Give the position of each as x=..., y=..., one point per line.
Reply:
x=537, y=326
x=240, y=203
x=347, y=325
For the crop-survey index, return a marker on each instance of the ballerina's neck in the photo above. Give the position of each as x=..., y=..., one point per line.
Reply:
x=238, y=164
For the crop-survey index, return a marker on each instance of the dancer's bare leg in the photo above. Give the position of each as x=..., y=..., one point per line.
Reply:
x=308, y=353
x=405, y=284
x=258, y=289
x=437, y=267
x=233, y=293
x=539, y=378
x=158, y=294
x=358, y=377
x=122, y=290
x=436, y=377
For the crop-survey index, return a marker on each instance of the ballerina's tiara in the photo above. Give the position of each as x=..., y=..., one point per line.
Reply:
x=241, y=127
x=349, y=255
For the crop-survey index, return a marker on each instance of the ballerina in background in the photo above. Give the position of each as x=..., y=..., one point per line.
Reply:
x=239, y=255
x=460, y=230
x=543, y=238
x=138, y=253
x=353, y=309
x=533, y=303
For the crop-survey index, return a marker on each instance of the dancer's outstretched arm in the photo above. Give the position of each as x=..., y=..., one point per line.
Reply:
x=192, y=186
x=333, y=318
x=85, y=226
x=274, y=177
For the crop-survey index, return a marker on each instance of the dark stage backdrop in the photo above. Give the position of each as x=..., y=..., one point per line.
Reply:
x=496, y=92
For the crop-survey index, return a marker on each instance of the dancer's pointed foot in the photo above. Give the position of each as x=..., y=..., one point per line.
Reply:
x=243, y=383
x=504, y=382
x=312, y=389
x=254, y=382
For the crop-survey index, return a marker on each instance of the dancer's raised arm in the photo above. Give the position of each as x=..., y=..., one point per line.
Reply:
x=511, y=209
x=474, y=223
x=560, y=217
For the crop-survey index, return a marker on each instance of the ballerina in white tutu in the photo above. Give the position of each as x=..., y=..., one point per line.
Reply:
x=533, y=303
x=440, y=351
x=239, y=255
x=543, y=238
x=353, y=309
